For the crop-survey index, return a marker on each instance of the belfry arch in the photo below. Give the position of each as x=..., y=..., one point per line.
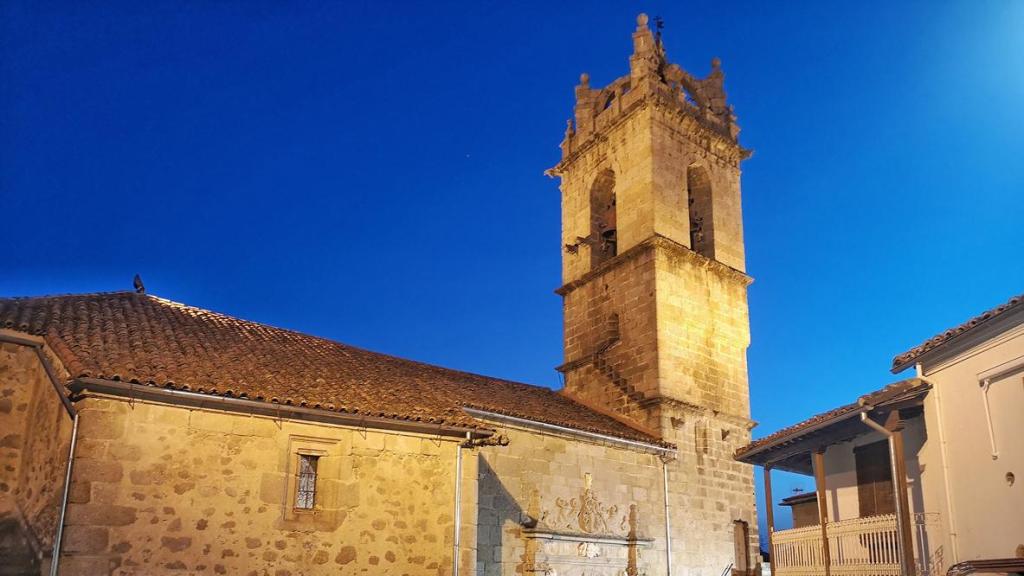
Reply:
x=603, y=237
x=699, y=205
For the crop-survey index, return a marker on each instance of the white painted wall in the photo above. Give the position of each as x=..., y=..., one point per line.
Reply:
x=987, y=519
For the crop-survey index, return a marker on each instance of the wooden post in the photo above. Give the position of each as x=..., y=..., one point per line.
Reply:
x=819, y=482
x=769, y=508
x=899, y=470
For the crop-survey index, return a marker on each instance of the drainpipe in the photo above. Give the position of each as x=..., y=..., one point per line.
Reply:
x=904, y=569
x=986, y=384
x=51, y=375
x=456, y=541
x=919, y=369
x=668, y=520
x=55, y=560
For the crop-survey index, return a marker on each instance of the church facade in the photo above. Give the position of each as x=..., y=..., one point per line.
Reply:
x=143, y=436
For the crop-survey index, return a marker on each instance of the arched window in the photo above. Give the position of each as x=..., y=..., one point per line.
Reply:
x=702, y=231
x=602, y=218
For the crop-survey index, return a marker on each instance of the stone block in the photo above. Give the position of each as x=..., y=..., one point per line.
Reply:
x=100, y=515
x=85, y=539
x=92, y=470
x=101, y=425
x=82, y=565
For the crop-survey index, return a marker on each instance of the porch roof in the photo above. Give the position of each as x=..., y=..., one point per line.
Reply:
x=791, y=448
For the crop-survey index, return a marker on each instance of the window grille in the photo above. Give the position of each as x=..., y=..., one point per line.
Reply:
x=305, y=493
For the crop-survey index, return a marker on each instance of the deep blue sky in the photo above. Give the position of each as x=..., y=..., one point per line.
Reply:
x=372, y=172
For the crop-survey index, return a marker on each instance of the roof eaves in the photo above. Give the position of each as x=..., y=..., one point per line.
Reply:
x=955, y=334
x=891, y=394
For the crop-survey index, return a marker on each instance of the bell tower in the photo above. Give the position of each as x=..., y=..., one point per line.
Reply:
x=654, y=286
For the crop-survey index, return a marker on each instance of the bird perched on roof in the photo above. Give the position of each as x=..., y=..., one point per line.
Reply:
x=140, y=288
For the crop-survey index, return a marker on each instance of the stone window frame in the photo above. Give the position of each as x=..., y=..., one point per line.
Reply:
x=325, y=505
x=312, y=460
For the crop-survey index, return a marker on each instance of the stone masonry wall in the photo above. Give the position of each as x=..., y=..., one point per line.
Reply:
x=631, y=164
x=614, y=316
x=677, y=145
x=163, y=489
x=35, y=432
x=708, y=491
x=703, y=332
x=522, y=484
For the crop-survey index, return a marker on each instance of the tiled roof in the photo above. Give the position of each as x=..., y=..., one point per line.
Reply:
x=905, y=359
x=149, y=340
x=901, y=389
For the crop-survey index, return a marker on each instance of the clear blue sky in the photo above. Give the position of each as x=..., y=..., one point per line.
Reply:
x=372, y=172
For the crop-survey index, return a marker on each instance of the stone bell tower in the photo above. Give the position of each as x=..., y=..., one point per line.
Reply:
x=654, y=290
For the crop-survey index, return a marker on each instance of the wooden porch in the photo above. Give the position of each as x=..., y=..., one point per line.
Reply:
x=856, y=547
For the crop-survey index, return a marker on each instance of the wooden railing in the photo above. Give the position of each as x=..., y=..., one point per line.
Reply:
x=798, y=552
x=864, y=546
x=857, y=547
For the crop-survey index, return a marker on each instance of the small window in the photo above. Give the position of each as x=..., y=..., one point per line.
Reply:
x=305, y=493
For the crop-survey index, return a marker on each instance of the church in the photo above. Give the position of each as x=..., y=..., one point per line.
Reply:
x=144, y=436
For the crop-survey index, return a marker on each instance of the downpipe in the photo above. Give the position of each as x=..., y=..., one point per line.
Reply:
x=892, y=465
x=457, y=537
x=58, y=538
x=668, y=520
x=919, y=369
x=59, y=388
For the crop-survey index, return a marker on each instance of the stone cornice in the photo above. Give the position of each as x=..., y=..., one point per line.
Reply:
x=691, y=408
x=655, y=241
x=726, y=148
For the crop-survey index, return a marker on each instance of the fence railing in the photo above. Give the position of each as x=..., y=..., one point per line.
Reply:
x=857, y=547
x=798, y=552
x=864, y=546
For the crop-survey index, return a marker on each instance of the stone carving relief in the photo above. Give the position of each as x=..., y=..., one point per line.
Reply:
x=582, y=536
x=588, y=514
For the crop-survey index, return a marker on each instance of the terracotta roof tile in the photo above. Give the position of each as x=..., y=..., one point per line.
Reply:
x=903, y=360
x=892, y=391
x=149, y=340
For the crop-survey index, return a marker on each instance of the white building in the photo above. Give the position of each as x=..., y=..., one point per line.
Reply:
x=951, y=436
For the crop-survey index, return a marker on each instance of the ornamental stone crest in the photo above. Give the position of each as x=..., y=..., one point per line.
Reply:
x=588, y=514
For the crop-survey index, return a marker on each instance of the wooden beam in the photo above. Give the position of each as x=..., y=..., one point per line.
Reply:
x=770, y=512
x=903, y=500
x=819, y=482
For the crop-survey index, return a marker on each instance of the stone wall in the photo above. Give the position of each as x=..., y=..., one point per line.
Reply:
x=703, y=332
x=163, y=489
x=539, y=482
x=35, y=432
x=611, y=346
x=709, y=491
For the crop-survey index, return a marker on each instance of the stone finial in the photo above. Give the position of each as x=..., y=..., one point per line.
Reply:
x=584, y=80
x=716, y=63
x=641, y=21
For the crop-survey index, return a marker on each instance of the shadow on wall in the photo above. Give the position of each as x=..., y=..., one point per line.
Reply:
x=496, y=506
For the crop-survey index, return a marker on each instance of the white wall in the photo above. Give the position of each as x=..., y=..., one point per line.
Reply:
x=988, y=514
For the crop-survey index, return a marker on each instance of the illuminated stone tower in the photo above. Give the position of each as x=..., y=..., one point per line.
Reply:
x=654, y=290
